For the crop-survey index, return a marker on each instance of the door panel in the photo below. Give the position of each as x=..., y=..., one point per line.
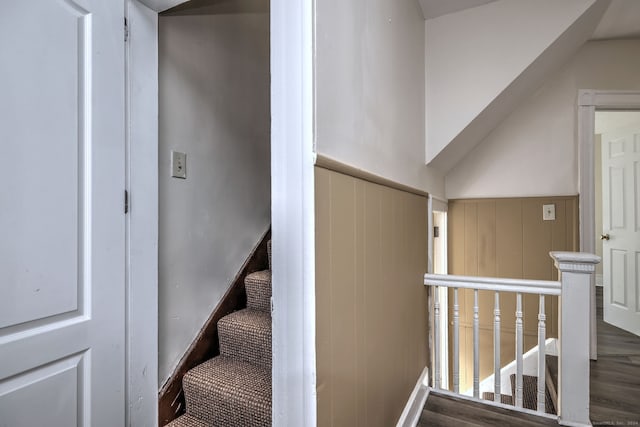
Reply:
x=54, y=389
x=62, y=252
x=42, y=181
x=616, y=191
x=621, y=210
x=619, y=285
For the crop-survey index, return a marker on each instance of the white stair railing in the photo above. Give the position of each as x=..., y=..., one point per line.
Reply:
x=574, y=292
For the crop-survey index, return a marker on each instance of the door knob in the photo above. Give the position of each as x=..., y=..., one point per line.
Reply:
x=604, y=237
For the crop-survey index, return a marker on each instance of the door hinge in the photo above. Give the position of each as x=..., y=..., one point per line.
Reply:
x=126, y=30
x=126, y=201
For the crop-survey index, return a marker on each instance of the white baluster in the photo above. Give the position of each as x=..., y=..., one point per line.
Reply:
x=519, y=345
x=456, y=344
x=496, y=348
x=436, y=314
x=541, y=355
x=476, y=346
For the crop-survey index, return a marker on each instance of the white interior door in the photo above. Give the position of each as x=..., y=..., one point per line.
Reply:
x=61, y=213
x=621, y=228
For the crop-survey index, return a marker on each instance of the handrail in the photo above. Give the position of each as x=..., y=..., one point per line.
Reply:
x=576, y=276
x=542, y=287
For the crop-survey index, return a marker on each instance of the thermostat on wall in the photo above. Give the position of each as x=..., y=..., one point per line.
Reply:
x=548, y=212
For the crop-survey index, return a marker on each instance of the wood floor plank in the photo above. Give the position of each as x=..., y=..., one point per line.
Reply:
x=434, y=419
x=615, y=376
x=479, y=413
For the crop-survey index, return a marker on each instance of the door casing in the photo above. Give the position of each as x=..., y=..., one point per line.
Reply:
x=590, y=100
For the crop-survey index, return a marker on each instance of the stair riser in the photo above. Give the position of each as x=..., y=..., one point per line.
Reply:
x=223, y=392
x=221, y=410
x=229, y=413
x=249, y=345
x=258, y=292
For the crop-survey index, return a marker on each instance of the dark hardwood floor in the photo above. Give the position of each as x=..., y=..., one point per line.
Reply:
x=447, y=411
x=615, y=376
x=615, y=389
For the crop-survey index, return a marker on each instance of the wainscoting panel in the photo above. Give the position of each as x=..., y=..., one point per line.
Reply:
x=371, y=304
x=506, y=238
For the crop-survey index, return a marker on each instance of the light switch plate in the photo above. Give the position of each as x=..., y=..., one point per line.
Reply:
x=178, y=165
x=548, y=212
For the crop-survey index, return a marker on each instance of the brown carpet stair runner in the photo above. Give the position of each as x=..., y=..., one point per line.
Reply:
x=530, y=389
x=234, y=388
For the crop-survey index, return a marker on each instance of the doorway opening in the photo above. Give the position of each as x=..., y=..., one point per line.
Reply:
x=440, y=267
x=590, y=100
x=214, y=173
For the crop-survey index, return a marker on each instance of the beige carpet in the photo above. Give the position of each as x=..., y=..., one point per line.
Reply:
x=234, y=389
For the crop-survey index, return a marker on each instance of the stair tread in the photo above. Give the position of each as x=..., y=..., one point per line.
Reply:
x=246, y=335
x=258, y=288
x=187, y=421
x=228, y=392
x=262, y=277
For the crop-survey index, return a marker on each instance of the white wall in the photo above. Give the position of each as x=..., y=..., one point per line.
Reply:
x=370, y=88
x=475, y=56
x=533, y=152
x=214, y=105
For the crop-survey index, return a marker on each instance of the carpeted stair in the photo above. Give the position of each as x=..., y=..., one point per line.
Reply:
x=530, y=389
x=234, y=388
x=507, y=399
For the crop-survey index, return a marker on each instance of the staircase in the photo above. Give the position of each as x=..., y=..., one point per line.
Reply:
x=530, y=389
x=566, y=395
x=234, y=388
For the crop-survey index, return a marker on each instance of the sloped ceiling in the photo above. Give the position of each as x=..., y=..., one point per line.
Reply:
x=207, y=7
x=435, y=8
x=620, y=21
x=482, y=62
x=161, y=5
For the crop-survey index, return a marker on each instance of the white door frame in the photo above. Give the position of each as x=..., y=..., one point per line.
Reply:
x=141, y=93
x=292, y=212
x=590, y=100
x=435, y=204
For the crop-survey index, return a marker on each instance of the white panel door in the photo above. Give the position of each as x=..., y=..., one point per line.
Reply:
x=61, y=213
x=621, y=228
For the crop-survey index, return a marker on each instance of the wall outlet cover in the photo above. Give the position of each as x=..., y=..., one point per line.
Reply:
x=548, y=212
x=178, y=165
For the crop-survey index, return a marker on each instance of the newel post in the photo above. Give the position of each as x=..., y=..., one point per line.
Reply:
x=575, y=270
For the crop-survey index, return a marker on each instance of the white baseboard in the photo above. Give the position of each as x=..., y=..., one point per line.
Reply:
x=412, y=410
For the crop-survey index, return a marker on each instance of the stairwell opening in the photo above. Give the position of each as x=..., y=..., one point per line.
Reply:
x=214, y=107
